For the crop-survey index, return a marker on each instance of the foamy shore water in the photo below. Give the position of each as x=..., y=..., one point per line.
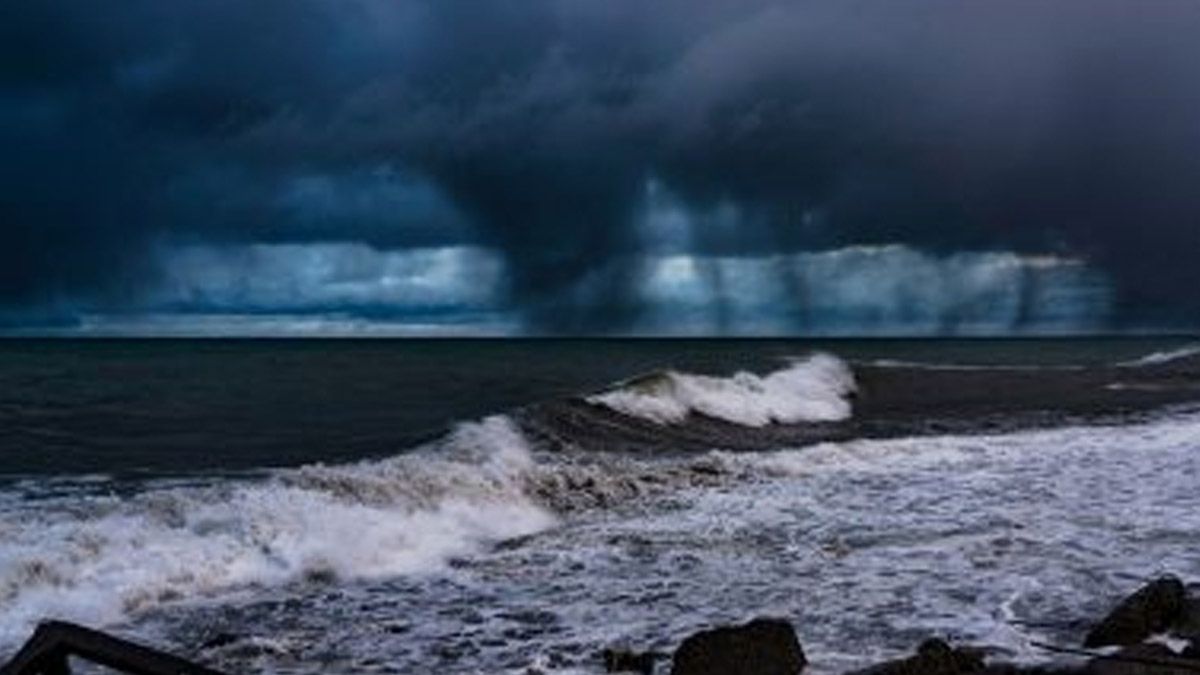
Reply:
x=481, y=553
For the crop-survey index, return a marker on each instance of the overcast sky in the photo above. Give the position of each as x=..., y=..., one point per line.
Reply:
x=599, y=166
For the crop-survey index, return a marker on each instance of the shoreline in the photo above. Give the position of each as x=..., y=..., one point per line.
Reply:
x=1153, y=631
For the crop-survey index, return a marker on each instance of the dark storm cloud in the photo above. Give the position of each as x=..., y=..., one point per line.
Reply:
x=535, y=126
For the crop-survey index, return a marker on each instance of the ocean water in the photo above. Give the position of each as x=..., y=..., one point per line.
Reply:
x=502, y=506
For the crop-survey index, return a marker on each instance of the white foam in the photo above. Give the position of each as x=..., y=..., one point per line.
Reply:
x=815, y=389
x=1165, y=356
x=965, y=536
x=1176, y=644
x=868, y=546
x=99, y=559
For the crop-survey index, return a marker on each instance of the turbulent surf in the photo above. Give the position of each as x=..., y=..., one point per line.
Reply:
x=866, y=502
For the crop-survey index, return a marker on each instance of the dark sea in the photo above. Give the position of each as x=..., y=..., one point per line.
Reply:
x=492, y=506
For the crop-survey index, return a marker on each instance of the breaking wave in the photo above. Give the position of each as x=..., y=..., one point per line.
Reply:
x=1166, y=356
x=96, y=557
x=99, y=559
x=815, y=389
x=79, y=553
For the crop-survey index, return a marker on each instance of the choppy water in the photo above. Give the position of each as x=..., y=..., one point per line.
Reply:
x=170, y=407
x=814, y=490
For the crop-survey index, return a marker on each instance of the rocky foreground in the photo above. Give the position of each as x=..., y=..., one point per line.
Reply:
x=1155, y=631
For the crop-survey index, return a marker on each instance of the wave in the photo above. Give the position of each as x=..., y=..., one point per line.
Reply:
x=85, y=553
x=100, y=559
x=875, y=516
x=815, y=389
x=78, y=553
x=1165, y=356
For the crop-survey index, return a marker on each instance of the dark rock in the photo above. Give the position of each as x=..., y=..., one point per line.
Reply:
x=933, y=657
x=1152, y=609
x=1009, y=669
x=624, y=661
x=1187, y=624
x=761, y=647
x=55, y=644
x=1144, y=659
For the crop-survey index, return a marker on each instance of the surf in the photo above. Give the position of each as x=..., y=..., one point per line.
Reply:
x=99, y=560
x=814, y=389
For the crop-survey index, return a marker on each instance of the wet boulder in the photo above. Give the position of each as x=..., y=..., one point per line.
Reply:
x=761, y=647
x=933, y=657
x=1142, y=659
x=1187, y=626
x=1152, y=609
x=1192, y=651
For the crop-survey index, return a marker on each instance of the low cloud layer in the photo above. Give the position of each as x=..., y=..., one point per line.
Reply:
x=351, y=289
x=573, y=145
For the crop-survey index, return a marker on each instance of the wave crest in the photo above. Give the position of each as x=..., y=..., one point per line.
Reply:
x=407, y=514
x=1167, y=356
x=815, y=389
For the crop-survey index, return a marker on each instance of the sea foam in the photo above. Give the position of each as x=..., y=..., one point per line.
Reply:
x=871, y=546
x=815, y=389
x=100, y=559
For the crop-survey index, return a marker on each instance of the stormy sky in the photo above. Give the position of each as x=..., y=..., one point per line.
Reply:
x=599, y=166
